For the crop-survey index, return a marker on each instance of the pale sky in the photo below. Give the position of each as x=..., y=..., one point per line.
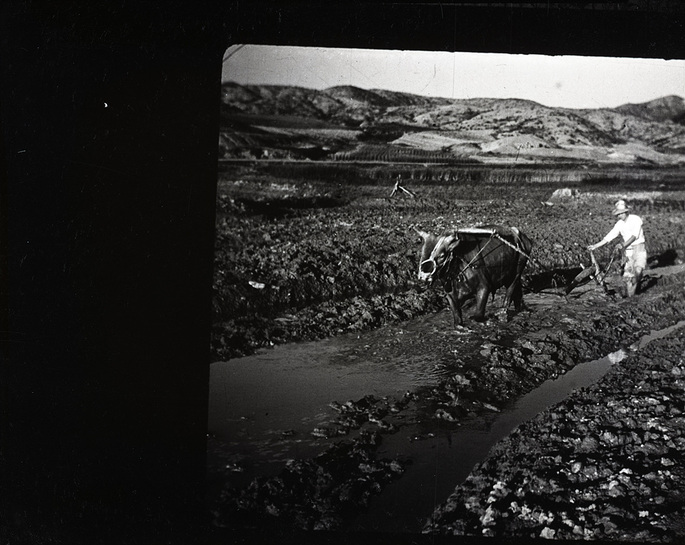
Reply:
x=567, y=81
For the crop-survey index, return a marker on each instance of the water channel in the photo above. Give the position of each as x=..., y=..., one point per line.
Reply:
x=263, y=408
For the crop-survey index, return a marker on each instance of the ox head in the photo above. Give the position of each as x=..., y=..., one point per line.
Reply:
x=434, y=253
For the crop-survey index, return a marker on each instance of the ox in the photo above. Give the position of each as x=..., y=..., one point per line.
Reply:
x=476, y=262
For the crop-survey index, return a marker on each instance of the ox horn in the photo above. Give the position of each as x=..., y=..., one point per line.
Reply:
x=422, y=234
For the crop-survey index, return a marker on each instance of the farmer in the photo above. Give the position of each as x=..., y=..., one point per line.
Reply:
x=629, y=226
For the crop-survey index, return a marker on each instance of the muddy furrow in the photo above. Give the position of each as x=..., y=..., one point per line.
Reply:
x=489, y=364
x=604, y=464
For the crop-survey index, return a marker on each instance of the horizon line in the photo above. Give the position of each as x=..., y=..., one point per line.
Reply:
x=224, y=82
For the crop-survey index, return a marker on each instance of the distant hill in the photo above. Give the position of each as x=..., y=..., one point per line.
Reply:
x=670, y=108
x=346, y=123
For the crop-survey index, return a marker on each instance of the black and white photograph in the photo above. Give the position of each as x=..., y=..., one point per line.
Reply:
x=448, y=295
x=330, y=272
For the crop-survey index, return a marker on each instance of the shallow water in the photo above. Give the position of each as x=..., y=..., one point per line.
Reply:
x=442, y=462
x=262, y=410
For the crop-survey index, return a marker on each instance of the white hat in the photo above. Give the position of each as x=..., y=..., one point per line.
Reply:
x=620, y=207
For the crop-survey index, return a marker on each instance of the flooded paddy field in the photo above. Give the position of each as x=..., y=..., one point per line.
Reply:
x=342, y=398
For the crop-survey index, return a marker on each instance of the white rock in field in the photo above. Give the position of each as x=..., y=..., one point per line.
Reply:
x=564, y=193
x=547, y=533
x=490, y=517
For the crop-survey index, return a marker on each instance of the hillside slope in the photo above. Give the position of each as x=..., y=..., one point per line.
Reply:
x=348, y=123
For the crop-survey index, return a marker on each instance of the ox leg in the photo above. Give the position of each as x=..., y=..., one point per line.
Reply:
x=515, y=292
x=513, y=295
x=481, y=301
x=455, y=307
x=517, y=295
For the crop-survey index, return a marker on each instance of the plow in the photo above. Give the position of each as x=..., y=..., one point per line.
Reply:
x=593, y=272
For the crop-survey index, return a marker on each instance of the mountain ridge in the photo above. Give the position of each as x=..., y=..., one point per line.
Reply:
x=340, y=121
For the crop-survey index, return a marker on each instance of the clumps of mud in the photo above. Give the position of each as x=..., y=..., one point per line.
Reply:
x=316, y=276
x=324, y=492
x=604, y=464
x=317, y=494
x=547, y=466
x=241, y=335
x=381, y=413
x=522, y=354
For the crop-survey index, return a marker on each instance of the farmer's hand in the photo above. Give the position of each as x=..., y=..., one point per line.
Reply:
x=592, y=247
x=619, y=247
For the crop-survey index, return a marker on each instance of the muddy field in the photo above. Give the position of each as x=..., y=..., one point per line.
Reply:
x=308, y=255
x=602, y=465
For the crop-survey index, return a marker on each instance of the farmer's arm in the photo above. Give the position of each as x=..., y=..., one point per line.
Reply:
x=634, y=229
x=627, y=243
x=611, y=235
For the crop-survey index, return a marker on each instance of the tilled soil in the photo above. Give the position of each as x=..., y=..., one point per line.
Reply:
x=604, y=464
x=491, y=364
x=290, y=268
x=601, y=465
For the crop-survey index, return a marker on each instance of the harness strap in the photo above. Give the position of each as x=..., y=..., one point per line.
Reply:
x=518, y=249
x=474, y=257
x=448, y=261
x=493, y=234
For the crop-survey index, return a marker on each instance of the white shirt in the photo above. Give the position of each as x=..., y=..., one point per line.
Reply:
x=632, y=225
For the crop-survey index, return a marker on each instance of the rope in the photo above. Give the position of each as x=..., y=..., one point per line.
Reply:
x=496, y=235
x=474, y=258
x=599, y=274
x=518, y=249
x=449, y=260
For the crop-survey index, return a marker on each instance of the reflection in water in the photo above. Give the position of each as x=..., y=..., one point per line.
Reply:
x=277, y=389
x=263, y=408
x=440, y=465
